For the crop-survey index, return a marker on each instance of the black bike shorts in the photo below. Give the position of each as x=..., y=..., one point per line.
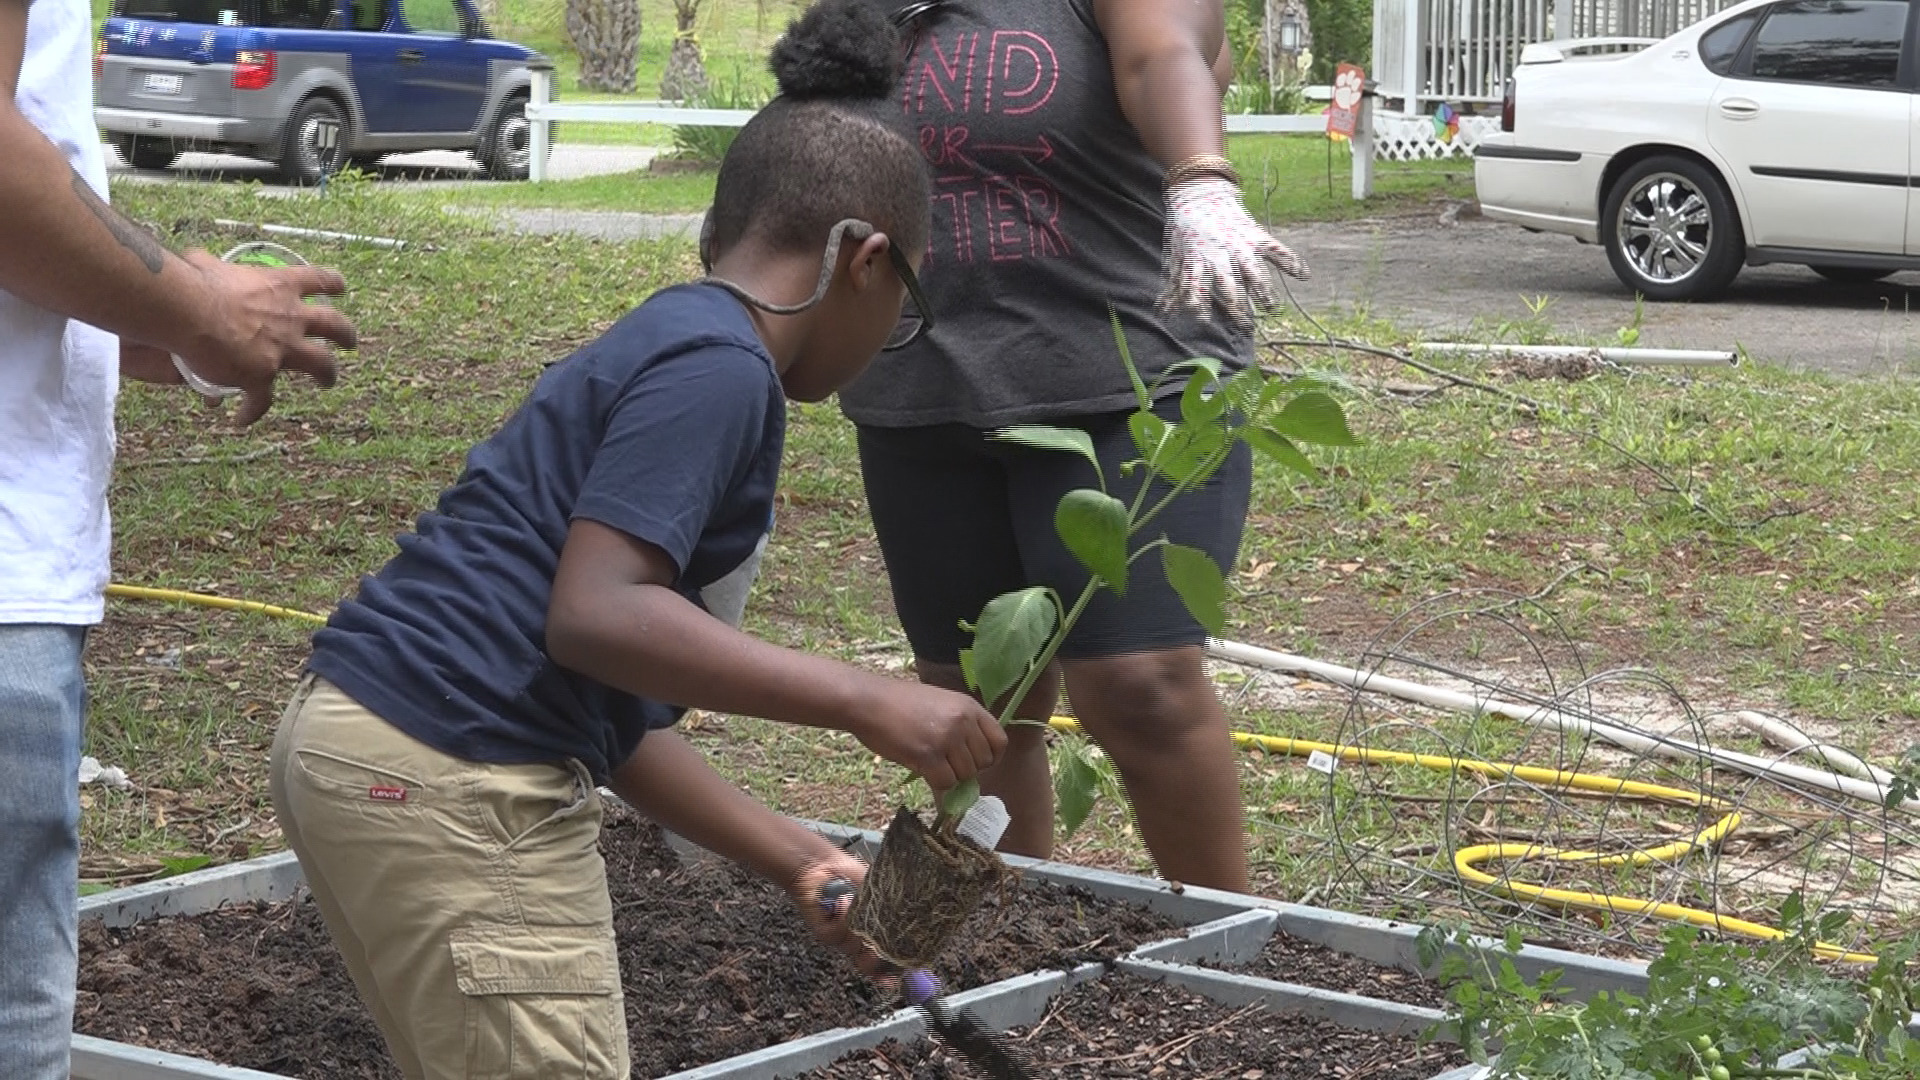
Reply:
x=962, y=518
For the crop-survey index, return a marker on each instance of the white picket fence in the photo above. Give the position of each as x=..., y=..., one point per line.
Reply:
x=1461, y=51
x=543, y=112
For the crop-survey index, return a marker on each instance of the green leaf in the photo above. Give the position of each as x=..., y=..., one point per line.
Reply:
x=1276, y=447
x=93, y=888
x=1198, y=365
x=1093, y=525
x=1198, y=581
x=1149, y=431
x=184, y=864
x=1196, y=405
x=1191, y=453
x=1126, y=357
x=966, y=665
x=1314, y=417
x=1244, y=389
x=1042, y=437
x=1076, y=783
x=1013, y=628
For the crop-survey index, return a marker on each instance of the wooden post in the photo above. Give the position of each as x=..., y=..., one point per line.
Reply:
x=1414, y=67
x=1362, y=144
x=540, y=139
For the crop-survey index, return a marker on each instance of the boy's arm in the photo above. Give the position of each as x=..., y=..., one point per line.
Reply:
x=615, y=618
x=671, y=782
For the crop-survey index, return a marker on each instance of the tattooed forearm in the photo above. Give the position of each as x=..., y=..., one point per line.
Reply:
x=132, y=237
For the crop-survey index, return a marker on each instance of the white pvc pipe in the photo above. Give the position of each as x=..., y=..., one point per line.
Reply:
x=1616, y=354
x=1546, y=716
x=314, y=234
x=1792, y=739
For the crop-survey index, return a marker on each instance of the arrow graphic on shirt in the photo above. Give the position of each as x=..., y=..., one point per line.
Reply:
x=1040, y=151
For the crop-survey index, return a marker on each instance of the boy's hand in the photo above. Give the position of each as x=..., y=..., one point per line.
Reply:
x=942, y=736
x=830, y=928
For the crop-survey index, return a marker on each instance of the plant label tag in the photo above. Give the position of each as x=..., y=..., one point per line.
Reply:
x=1321, y=761
x=387, y=794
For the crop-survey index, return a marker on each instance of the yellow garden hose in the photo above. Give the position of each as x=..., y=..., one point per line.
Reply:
x=136, y=592
x=1466, y=861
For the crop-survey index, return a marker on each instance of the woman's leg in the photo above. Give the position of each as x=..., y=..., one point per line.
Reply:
x=1133, y=663
x=1157, y=716
x=940, y=511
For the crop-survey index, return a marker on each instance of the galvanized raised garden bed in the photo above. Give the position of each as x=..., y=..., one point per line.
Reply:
x=1223, y=927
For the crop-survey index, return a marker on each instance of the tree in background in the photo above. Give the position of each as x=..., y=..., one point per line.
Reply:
x=686, y=77
x=606, y=34
x=1342, y=34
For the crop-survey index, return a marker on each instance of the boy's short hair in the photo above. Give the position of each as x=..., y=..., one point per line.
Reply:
x=834, y=145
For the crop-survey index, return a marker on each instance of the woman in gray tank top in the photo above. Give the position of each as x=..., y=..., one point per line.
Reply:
x=1075, y=150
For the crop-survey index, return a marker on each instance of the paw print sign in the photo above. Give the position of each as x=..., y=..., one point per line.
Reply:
x=1349, y=83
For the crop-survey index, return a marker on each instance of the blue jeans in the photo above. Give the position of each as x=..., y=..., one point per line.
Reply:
x=42, y=710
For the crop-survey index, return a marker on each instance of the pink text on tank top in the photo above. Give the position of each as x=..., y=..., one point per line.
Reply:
x=988, y=190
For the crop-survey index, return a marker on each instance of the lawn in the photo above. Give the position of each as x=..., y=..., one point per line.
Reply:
x=1749, y=534
x=1285, y=176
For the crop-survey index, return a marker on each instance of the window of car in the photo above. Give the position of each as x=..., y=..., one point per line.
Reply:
x=1720, y=46
x=369, y=14
x=210, y=12
x=437, y=17
x=1835, y=42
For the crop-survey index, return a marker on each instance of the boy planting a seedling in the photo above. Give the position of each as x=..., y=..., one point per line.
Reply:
x=543, y=628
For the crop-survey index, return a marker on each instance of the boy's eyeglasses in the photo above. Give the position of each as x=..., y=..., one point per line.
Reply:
x=915, y=321
x=912, y=325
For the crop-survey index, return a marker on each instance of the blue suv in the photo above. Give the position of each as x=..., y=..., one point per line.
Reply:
x=312, y=85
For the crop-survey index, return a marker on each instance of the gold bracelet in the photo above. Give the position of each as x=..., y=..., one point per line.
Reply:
x=1203, y=165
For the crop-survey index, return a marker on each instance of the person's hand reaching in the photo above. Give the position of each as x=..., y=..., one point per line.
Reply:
x=258, y=324
x=1218, y=255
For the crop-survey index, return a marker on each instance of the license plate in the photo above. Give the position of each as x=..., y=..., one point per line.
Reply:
x=163, y=84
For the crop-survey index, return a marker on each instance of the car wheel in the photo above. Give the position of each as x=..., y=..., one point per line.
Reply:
x=1850, y=275
x=1671, y=231
x=146, y=152
x=315, y=145
x=508, y=151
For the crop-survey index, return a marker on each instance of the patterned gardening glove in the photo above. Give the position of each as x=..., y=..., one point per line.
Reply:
x=1217, y=253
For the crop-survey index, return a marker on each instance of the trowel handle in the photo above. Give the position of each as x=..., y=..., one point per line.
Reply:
x=917, y=986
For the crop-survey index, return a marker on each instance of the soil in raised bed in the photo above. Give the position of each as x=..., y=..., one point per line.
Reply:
x=1291, y=959
x=715, y=963
x=1122, y=1026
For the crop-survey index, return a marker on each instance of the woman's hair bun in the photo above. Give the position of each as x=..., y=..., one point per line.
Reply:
x=838, y=49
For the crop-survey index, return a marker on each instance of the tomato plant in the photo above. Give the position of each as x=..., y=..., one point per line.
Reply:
x=1714, y=1010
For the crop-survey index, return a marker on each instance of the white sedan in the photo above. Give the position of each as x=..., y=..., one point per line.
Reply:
x=1777, y=131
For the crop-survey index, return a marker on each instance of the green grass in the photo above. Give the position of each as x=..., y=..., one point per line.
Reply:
x=1283, y=175
x=641, y=191
x=1750, y=533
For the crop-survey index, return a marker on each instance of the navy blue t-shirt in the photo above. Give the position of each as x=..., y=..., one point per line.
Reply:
x=669, y=427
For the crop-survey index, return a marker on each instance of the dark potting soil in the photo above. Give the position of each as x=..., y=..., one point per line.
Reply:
x=715, y=963
x=1122, y=1026
x=1291, y=959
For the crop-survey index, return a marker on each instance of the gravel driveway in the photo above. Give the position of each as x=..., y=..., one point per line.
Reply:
x=1439, y=271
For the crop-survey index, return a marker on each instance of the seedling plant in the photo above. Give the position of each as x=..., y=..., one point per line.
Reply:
x=1018, y=633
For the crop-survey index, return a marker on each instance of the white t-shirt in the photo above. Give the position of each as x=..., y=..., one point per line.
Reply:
x=58, y=377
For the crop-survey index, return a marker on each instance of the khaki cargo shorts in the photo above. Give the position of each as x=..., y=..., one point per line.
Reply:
x=469, y=901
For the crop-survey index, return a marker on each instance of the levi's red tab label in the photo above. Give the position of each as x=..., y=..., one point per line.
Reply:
x=387, y=794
